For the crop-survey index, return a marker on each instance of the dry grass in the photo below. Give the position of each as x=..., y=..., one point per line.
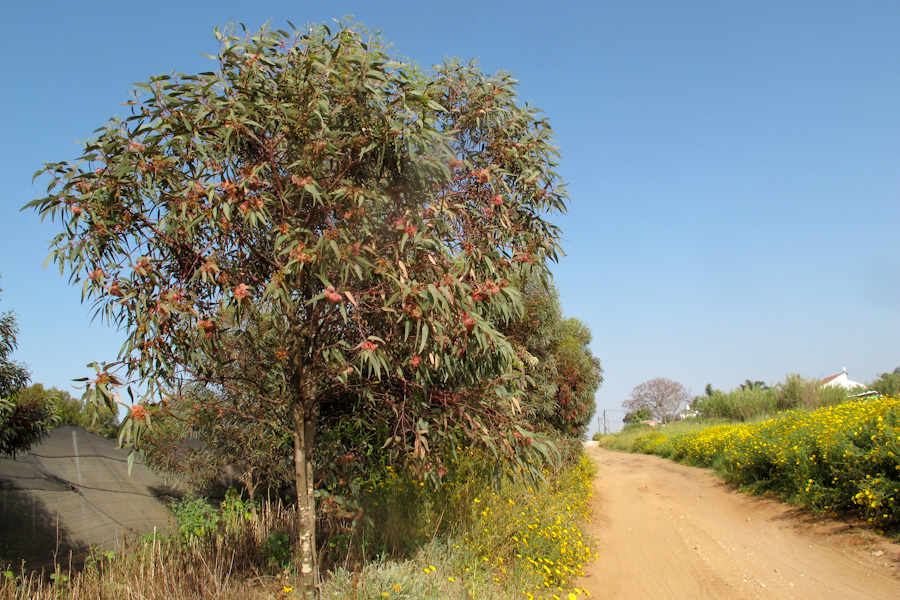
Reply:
x=235, y=563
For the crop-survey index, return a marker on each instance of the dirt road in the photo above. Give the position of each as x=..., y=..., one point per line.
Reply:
x=667, y=531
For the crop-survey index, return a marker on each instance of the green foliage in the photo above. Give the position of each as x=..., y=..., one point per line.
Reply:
x=754, y=385
x=376, y=216
x=560, y=373
x=636, y=416
x=97, y=558
x=798, y=393
x=888, y=384
x=754, y=400
x=741, y=404
x=205, y=435
x=23, y=424
x=278, y=549
x=194, y=517
x=13, y=375
x=71, y=411
x=479, y=537
x=251, y=561
x=23, y=421
x=235, y=511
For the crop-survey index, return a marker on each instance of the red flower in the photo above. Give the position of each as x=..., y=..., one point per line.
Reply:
x=242, y=291
x=414, y=361
x=139, y=412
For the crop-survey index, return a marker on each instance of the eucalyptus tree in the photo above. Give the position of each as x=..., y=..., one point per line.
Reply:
x=373, y=213
x=561, y=375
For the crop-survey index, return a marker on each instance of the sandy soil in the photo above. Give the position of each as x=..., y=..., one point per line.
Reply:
x=670, y=531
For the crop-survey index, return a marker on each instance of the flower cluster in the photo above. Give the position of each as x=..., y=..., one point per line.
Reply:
x=538, y=535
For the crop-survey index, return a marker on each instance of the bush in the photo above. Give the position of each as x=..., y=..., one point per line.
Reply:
x=748, y=403
x=195, y=518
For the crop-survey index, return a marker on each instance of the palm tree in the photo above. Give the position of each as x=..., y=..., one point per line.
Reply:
x=754, y=385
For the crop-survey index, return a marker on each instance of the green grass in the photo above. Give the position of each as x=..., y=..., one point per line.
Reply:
x=623, y=441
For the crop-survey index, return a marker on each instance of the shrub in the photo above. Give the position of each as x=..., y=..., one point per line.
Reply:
x=194, y=518
x=751, y=402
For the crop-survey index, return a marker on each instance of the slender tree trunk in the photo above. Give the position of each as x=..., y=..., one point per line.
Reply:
x=304, y=432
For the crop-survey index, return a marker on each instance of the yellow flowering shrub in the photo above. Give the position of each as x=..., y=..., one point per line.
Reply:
x=536, y=534
x=838, y=458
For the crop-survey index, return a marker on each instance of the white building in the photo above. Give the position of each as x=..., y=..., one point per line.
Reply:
x=841, y=380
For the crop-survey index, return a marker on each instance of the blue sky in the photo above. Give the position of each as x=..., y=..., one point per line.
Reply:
x=734, y=167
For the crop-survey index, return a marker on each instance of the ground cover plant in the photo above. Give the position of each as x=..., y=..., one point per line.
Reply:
x=623, y=440
x=842, y=458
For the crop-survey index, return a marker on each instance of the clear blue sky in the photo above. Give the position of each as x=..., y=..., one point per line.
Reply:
x=734, y=167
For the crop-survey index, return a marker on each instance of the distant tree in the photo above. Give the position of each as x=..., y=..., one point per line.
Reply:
x=23, y=422
x=578, y=376
x=888, y=384
x=375, y=215
x=561, y=373
x=71, y=411
x=661, y=396
x=636, y=416
x=754, y=385
x=13, y=375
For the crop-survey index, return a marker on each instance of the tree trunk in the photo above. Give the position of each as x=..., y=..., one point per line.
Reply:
x=304, y=433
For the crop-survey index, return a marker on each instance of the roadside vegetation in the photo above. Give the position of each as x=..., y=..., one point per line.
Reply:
x=474, y=537
x=819, y=448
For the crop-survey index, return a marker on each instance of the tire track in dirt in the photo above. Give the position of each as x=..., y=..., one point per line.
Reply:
x=670, y=531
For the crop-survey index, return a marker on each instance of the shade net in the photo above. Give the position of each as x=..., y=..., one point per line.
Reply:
x=70, y=492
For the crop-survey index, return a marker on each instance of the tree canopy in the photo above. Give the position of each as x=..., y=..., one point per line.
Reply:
x=23, y=421
x=372, y=217
x=561, y=374
x=661, y=396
